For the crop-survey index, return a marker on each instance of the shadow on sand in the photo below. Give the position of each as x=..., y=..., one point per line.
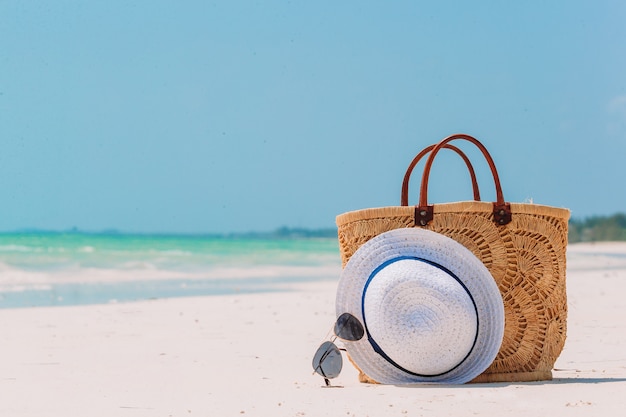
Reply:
x=555, y=381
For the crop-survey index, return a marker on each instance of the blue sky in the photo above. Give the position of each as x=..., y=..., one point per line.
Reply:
x=197, y=116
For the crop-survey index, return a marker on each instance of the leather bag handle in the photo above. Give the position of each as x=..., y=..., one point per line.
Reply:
x=404, y=197
x=424, y=212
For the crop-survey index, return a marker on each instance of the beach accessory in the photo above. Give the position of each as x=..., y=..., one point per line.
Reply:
x=431, y=310
x=522, y=245
x=327, y=360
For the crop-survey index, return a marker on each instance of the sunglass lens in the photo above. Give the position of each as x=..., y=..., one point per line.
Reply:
x=327, y=360
x=349, y=327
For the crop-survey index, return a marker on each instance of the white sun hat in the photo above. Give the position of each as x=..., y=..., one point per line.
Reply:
x=430, y=308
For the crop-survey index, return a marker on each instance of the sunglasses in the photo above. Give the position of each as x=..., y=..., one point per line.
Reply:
x=327, y=361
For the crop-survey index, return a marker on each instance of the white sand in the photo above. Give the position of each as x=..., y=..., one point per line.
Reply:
x=250, y=355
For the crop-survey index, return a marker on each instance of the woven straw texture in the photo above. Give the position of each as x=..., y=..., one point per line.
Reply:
x=526, y=258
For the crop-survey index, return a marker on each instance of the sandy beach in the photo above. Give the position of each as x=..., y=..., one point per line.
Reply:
x=250, y=355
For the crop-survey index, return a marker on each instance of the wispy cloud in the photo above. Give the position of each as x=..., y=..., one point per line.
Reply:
x=616, y=109
x=618, y=105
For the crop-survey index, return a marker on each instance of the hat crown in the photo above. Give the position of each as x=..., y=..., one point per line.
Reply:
x=430, y=322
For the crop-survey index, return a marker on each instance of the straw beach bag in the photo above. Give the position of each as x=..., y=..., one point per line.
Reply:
x=522, y=245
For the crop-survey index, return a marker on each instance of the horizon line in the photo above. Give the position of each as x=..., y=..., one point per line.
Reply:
x=283, y=231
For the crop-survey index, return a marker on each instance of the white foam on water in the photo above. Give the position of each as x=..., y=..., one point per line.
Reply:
x=13, y=279
x=44, y=263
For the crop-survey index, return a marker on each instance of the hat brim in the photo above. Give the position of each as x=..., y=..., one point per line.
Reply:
x=441, y=250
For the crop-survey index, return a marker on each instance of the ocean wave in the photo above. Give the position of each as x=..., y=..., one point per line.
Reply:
x=23, y=288
x=14, y=277
x=17, y=248
x=43, y=269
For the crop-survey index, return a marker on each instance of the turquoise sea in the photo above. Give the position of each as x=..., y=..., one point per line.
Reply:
x=55, y=269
